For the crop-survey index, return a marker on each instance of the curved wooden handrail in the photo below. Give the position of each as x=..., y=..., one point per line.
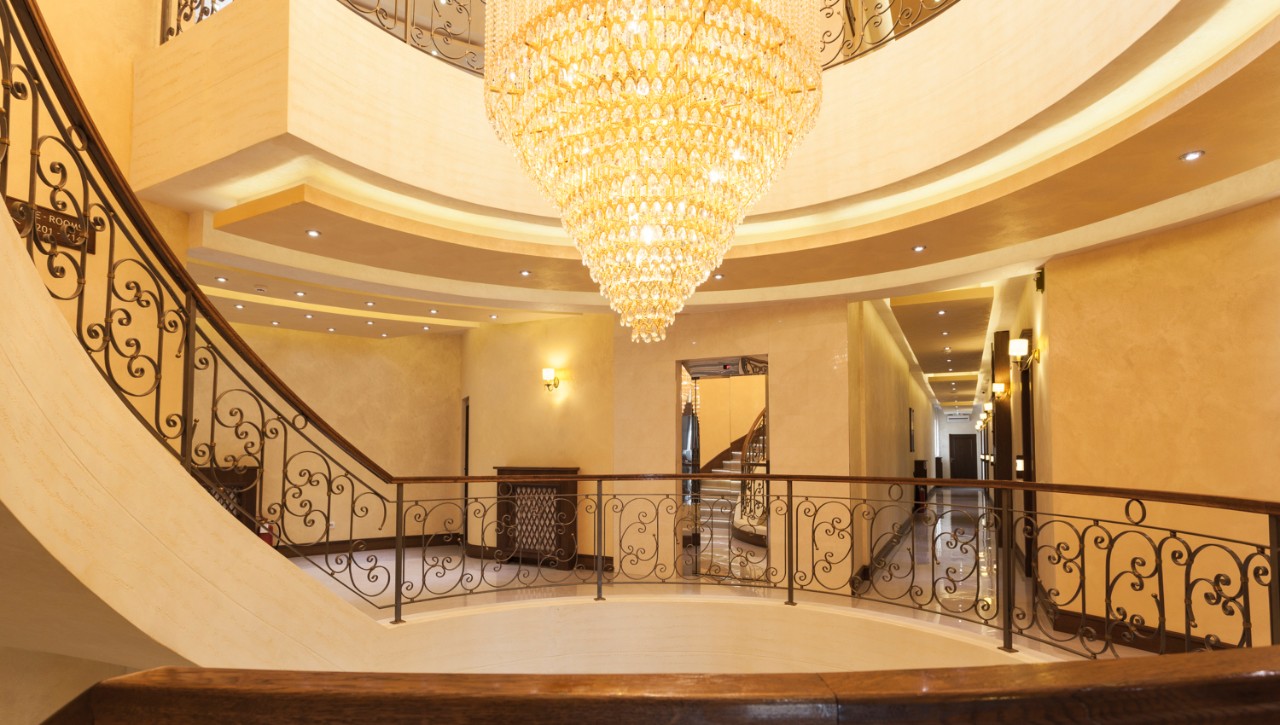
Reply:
x=751, y=434
x=63, y=88
x=1239, y=687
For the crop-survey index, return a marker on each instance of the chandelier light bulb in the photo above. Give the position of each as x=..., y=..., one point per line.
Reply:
x=653, y=126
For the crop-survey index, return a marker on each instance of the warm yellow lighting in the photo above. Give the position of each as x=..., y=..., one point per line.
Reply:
x=982, y=415
x=653, y=127
x=997, y=388
x=987, y=406
x=1019, y=347
x=549, y=379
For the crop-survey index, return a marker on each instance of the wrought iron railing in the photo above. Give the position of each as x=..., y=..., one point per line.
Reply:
x=755, y=459
x=453, y=30
x=1100, y=573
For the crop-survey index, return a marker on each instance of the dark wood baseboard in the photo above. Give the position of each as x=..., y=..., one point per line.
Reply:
x=1147, y=639
x=324, y=548
x=493, y=553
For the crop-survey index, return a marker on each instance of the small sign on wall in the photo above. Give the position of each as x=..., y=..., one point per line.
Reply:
x=54, y=226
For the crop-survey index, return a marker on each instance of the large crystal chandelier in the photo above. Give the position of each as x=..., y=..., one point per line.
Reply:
x=653, y=125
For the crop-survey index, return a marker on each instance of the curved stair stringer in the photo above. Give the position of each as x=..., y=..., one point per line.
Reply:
x=149, y=569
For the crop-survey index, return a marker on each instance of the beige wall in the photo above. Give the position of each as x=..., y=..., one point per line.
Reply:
x=399, y=400
x=1162, y=352
x=34, y=685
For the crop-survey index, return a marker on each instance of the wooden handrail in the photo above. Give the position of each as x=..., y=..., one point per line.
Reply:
x=1238, y=686
x=72, y=104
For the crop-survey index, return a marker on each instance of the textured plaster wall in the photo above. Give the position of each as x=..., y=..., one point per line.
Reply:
x=1162, y=352
x=399, y=400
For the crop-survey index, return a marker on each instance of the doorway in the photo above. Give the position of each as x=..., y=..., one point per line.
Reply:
x=964, y=455
x=724, y=431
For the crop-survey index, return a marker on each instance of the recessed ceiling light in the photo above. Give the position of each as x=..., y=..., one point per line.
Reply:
x=918, y=248
x=948, y=359
x=331, y=329
x=220, y=279
x=369, y=322
x=493, y=317
x=525, y=273
x=368, y=304
x=1192, y=155
x=946, y=349
x=945, y=333
x=300, y=293
x=308, y=315
x=942, y=312
x=719, y=276
x=426, y=327
x=239, y=307
x=274, y=322
x=384, y=334
x=313, y=233
x=951, y=370
x=434, y=311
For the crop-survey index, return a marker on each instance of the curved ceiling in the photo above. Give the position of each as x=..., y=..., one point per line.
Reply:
x=988, y=137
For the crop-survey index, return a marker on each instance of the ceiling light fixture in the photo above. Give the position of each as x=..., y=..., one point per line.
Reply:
x=313, y=233
x=368, y=322
x=719, y=276
x=493, y=317
x=653, y=127
x=220, y=279
x=919, y=248
x=426, y=327
x=331, y=329
x=308, y=316
x=368, y=304
x=1192, y=155
x=274, y=323
x=300, y=294
x=525, y=273
x=433, y=312
x=942, y=312
x=239, y=307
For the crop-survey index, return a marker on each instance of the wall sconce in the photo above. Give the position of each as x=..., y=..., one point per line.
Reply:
x=1021, y=353
x=549, y=379
x=987, y=406
x=982, y=415
x=1019, y=465
x=998, y=389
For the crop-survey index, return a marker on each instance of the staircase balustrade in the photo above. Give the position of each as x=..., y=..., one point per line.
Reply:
x=1104, y=576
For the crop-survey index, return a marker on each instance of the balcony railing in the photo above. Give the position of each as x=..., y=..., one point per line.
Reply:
x=1092, y=571
x=453, y=30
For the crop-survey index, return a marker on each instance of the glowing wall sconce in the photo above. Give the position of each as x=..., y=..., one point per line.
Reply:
x=1021, y=353
x=986, y=407
x=549, y=379
x=998, y=389
x=1019, y=465
x=983, y=415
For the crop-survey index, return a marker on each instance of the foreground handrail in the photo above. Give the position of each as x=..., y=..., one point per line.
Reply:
x=1237, y=687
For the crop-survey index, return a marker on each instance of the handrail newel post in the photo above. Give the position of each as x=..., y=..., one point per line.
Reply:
x=599, y=540
x=790, y=536
x=1273, y=588
x=1004, y=564
x=189, y=383
x=399, y=553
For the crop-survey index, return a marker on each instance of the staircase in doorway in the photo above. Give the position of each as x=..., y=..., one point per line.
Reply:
x=721, y=553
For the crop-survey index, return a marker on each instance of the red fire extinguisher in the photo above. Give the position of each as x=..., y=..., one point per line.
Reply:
x=267, y=532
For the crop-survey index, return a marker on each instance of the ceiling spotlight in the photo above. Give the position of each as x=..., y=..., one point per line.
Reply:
x=946, y=349
x=525, y=273
x=300, y=293
x=918, y=248
x=239, y=307
x=434, y=311
x=369, y=322
x=948, y=359
x=719, y=276
x=945, y=333
x=384, y=334
x=942, y=312
x=493, y=317
x=308, y=315
x=220, y=279
x=368, y=304
x=331, y=329
x=313, y=233
x=951, y=370
x=274, y=323
x=426, y=327
x=1192, y=155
